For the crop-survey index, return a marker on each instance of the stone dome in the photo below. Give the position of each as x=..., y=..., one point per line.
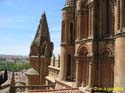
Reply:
x=70, y=3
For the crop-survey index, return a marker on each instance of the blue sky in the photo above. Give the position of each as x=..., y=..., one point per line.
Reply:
x=19, y=20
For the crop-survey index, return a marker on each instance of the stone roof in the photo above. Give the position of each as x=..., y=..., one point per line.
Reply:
x=31, y=72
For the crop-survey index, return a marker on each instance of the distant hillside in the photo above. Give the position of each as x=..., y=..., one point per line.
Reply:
x=13, y=58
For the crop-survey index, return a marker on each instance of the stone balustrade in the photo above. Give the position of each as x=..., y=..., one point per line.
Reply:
x=28, y=89
x=73, y=90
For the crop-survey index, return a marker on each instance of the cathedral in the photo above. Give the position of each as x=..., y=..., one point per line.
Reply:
x=92, y=48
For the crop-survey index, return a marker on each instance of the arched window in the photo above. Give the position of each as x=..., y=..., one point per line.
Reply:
x=63, y=32
x=108, y=18
x=105, y=54
x=83, y=51
x=68, y=74
x=118, y=15
x=71, y=32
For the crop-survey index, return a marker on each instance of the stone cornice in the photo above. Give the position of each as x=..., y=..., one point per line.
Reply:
x=84, y=40
x=120, y=34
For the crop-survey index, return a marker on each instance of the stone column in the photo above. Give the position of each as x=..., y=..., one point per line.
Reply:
x=119, y=66
x=90, y=75
x=41, y=69
x=77, y=73
x=61, y=74
x=83, y=62
x=58, y=61
x=92, y=20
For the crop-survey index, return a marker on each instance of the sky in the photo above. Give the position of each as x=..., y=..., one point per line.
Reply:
x=19, y=20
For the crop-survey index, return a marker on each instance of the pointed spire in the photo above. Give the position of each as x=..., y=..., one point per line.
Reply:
x=43, y=15
x=42, y=38
x=42, y=32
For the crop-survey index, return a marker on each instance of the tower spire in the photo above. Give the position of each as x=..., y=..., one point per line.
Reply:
x=42, y=32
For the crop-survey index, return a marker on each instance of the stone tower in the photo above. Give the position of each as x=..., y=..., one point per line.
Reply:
x=119, y=68
x=87, y=44
x=67, y=41
x=40, y=54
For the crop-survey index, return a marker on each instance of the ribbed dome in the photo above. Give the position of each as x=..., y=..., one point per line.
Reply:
x=70, y=3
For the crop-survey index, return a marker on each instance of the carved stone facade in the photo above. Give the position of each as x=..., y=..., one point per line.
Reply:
x=119, y=70
x=92, y=45
x=92, y=48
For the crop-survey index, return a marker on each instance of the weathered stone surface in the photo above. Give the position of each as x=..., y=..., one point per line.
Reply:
x=92, y=47
x=40, y=54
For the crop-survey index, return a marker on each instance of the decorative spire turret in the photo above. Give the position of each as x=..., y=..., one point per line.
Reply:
x=42, y=32
x=42, y=44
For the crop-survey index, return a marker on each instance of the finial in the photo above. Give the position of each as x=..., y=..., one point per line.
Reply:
x=44, y=14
